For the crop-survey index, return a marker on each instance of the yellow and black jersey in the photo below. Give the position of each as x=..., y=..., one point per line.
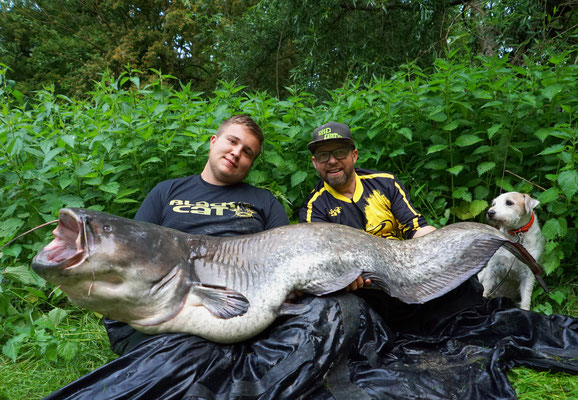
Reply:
x=380, y=206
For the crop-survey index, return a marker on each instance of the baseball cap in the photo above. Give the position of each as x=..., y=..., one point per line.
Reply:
x=330, y=131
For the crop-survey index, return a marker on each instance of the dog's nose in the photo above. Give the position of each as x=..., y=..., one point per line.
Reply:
x=491, y=213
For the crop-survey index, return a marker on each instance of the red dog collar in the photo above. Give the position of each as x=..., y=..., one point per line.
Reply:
x=525, y=228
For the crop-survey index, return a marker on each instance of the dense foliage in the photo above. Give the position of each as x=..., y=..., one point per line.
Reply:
x=266, y=44
x=456, y=138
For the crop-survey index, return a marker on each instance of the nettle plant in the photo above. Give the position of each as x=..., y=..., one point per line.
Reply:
x=456, y=136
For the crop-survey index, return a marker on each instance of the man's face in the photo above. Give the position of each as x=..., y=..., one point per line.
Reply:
x=231, y=155
x=337, y=173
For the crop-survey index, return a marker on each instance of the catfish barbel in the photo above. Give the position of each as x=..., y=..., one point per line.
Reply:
x=226, y=290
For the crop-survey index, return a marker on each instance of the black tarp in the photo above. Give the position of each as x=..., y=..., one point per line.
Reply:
x=456, y=347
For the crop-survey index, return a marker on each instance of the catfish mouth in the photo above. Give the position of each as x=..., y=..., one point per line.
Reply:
x=69, y=247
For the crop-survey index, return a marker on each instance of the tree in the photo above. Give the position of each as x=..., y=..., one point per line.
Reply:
x=70, y=42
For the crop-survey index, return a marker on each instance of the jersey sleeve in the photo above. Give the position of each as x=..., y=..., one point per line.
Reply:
x=404, y=211
x=313, y=209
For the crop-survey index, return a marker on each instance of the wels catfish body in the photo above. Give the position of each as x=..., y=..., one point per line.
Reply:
x=226, y=290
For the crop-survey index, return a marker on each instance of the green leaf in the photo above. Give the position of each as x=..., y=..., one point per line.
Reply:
x=482, y=150
x=298, y=177
x=256, y=177
x=558, y=296
x=70, y=140
x=64, y=181
x=568, y=181
x=451, y=126
x=492, y=104
x=481, y=94
x=550, y=91
x=493, y=129
x=543, y=133
x=67, y=350
x=397, y=152
x=57, y=315
x=438, y=116
x=406, y=132
x=467, y=140
x=481, y=192
x=485, y=167
x=462, y=193
x=111, y=187
x=551, y=229
x=9, y=226
x=456, y=169
x=557, y=148
x=436, y=147
x=436, y=164
x=83, y=170
x=12, y=346
x=151, y=160
x=70, y=200
x=549, y=195
x=477, y=207
x=23, y=274
x=136, y=81
x=274, y=158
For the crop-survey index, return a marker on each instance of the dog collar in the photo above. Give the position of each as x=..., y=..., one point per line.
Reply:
x=523, y=229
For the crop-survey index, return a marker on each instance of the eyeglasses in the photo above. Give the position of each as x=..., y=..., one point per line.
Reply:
x=339, y=154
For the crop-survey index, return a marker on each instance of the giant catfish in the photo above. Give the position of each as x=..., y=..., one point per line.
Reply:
x=229, y=289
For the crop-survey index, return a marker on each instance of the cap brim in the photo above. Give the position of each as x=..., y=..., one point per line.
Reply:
x=311, y=146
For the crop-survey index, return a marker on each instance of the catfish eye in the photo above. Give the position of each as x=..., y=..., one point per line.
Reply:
x=107, y=228
x=509, y=203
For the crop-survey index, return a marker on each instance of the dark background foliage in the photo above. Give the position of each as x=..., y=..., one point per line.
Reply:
x=266, y=45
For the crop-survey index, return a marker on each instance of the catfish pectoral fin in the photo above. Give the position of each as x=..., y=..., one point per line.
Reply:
x=221, y=302
x=330, y=284
x=376, y=281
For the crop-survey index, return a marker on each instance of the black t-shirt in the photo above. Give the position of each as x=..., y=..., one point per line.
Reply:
x=194, y=206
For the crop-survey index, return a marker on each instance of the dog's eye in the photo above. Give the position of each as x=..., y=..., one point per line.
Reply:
x=509, y=203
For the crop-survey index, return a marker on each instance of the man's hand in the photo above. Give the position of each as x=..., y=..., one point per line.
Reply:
x=358, y=284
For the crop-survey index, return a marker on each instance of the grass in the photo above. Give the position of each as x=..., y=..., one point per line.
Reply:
x=34, y=378
x=539, y=385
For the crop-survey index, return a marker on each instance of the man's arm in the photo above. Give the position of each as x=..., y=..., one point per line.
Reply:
x=424, y=230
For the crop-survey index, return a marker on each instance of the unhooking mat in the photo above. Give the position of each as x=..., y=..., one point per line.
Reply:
x=342, y=349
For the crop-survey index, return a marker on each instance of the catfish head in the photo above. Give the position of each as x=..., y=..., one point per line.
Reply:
x=124, y=269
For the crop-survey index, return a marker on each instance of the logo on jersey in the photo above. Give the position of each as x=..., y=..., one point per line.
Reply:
x=335, y=212
x=242, y=210
x=380, y=219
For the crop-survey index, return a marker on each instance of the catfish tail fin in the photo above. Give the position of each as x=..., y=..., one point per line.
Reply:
x=523, y=255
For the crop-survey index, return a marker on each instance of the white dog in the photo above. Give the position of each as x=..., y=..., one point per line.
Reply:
x=513, y=213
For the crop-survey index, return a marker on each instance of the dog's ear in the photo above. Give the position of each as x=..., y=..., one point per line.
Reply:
x=530, y=203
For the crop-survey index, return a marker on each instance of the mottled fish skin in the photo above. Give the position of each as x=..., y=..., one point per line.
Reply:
x=229, y=289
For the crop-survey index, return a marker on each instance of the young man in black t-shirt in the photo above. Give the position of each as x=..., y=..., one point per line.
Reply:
x=217, y=202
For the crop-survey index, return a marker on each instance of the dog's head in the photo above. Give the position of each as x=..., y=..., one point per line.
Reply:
x=511, y=210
